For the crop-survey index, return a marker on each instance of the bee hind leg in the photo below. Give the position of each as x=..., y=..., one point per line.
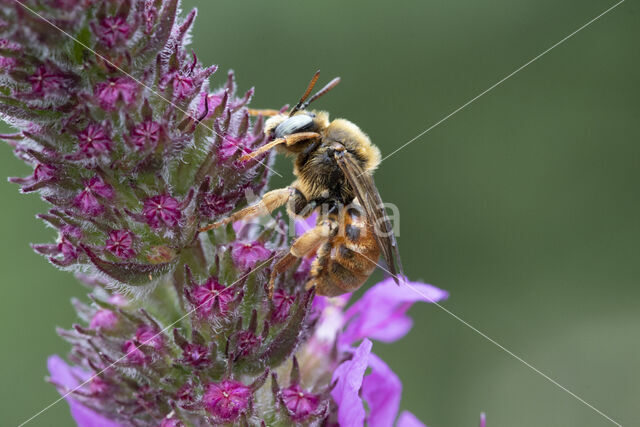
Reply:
x=302, y=246
x=270, y=201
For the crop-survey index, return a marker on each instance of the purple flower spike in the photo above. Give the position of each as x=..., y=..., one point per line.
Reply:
x=161, y=210
x=68, y=378
x=247, y=255
x=109, y=92
x=381, y=312
x=131, y=179
x=299, y=403
x=226, y=400
x=120, y=243
x=348, y=379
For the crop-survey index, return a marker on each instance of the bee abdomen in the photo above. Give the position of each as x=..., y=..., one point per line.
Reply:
x=344, y=265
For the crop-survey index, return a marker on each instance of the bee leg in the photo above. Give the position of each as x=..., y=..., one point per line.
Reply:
x=302, y=246
x=268, y=112
x=270, y=201
x=288, y=140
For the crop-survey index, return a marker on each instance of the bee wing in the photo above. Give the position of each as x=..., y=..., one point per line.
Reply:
x=367, y=193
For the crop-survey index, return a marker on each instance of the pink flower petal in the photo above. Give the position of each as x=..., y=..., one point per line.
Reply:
x=407, y=419
x=348, y=377
x=382, y=390
x=380, y=313
x=68, y=377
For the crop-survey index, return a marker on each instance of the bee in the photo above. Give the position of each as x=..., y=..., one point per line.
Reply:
x=334, y=162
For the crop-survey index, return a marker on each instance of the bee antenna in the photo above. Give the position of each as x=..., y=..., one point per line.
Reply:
x=300, y=103
x=333, y=83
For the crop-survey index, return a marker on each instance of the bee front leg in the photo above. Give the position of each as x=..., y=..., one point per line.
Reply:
x=288, y=140
x=302, y=246
x=269, y=202
x=265, y=112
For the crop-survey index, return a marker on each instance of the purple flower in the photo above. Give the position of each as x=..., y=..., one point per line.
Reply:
x=407, y=419
x=112, y=30
x=103, y=319
x=247, y=255
x=43, y=172
x=146, y=134
x=44, y=81
x=212, y=205
x=195, y=354
x=133, y=353
x=118, y=88
x=299, y=402
x=229, y=147
x=66, y=379
x=206, y=295
x=171, y=422
x=348, y=381
x=94, y=141
x=381, y=312
x=120, y=243
x=226, y=400
x=182, y=86
x=247, y=342
x=381, y=389
x=161, y=210
x=66, y=248
x=87, y=201
x=98, y=386
x=282, y=303
x=483, y=419
x=147, y=335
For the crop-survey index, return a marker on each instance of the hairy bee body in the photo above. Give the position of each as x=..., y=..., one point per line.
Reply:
x=320, y=179
x=333, y=163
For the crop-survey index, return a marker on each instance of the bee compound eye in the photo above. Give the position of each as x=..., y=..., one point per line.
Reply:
x=295, y=124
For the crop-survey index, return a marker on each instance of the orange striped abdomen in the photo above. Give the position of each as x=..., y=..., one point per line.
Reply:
x=346, y=261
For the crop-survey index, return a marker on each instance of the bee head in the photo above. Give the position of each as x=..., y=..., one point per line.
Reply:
x=300, y=120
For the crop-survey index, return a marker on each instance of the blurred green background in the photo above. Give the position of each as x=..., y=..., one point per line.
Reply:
x=524, y=205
